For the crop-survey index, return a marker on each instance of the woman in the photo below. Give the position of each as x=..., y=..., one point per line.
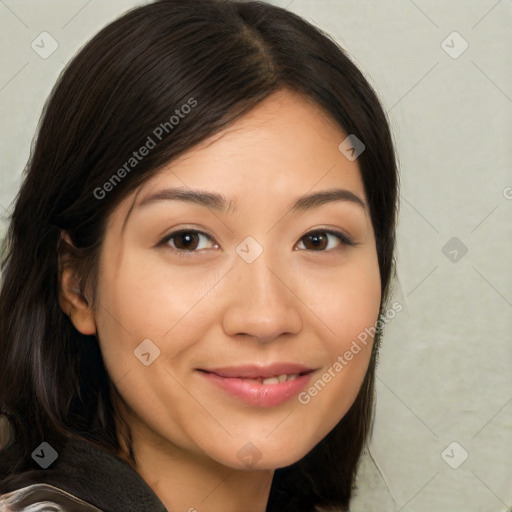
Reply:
x=196, y=263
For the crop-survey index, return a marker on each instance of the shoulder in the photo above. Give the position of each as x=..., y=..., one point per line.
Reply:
x=83, y=478
x=43, y=498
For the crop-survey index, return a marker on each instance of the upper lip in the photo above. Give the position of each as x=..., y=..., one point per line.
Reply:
x=258, y=371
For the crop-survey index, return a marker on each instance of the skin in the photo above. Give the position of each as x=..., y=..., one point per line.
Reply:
x=210, y=308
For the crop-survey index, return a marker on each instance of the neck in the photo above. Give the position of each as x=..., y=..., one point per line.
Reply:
x=188, y=482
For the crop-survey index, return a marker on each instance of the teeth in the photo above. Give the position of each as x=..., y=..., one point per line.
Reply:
x=280, y=378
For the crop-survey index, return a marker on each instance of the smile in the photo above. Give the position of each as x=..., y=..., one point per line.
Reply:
x=260, y=386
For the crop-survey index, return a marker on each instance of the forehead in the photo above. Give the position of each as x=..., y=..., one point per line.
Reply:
x=285, y=139
x=284, y=147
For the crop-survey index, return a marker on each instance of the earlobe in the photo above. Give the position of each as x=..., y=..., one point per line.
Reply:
x=72, y=300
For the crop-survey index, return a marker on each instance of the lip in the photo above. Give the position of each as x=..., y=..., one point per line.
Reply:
x=258, y=371
x=241, y=382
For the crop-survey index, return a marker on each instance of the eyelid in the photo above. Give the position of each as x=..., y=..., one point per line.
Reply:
x=343, y=238
x=165, y=240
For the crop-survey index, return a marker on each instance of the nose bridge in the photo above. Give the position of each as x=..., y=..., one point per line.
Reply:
x=260, y=302
x=262, y=281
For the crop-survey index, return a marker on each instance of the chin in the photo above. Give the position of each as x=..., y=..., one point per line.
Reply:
x=264, y=455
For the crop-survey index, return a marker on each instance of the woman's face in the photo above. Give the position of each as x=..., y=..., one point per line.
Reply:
x=223, y=275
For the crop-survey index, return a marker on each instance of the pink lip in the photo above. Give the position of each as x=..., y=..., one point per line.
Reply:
x=258, y=371
x=241, y=382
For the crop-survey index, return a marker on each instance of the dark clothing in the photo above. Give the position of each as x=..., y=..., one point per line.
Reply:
x=83, y=478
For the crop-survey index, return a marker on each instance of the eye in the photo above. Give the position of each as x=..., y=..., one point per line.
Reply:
x=325, y=239
x=187, y=240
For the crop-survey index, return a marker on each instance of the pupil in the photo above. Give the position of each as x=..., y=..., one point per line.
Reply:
x=188, y=239
x=318, y=240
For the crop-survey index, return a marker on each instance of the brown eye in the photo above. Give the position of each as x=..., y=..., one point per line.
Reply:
x=316, y=241
x=320, y=240
x=187, y=240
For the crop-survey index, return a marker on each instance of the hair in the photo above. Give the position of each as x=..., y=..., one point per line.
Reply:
x=226, y=57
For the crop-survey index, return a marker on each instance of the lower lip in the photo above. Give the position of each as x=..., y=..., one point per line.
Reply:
x=258, y=394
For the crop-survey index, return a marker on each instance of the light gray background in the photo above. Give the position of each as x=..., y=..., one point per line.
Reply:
x=445, y=368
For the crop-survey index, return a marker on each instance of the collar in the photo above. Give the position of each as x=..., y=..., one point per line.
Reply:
x=95, y=476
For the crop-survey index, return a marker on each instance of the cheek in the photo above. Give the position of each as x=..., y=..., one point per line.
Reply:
x=355, y=319
x=346, y=311
x=140, y=299
x=345, y=301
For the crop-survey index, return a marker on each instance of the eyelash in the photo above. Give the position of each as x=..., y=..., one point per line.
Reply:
x=344, y=239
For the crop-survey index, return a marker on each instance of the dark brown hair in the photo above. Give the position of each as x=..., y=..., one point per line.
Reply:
x=129, y=79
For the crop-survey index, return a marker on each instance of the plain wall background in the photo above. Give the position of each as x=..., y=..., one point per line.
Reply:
x=445, y=367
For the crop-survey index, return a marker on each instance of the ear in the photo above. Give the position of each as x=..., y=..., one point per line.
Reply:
x=71, y=298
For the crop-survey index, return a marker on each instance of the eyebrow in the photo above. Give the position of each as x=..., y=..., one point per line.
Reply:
x=220, y=203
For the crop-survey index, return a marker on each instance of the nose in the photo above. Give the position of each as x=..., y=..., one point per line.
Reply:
x=261, y=302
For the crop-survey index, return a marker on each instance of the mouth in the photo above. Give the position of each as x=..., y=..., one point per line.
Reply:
x=260, y=385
